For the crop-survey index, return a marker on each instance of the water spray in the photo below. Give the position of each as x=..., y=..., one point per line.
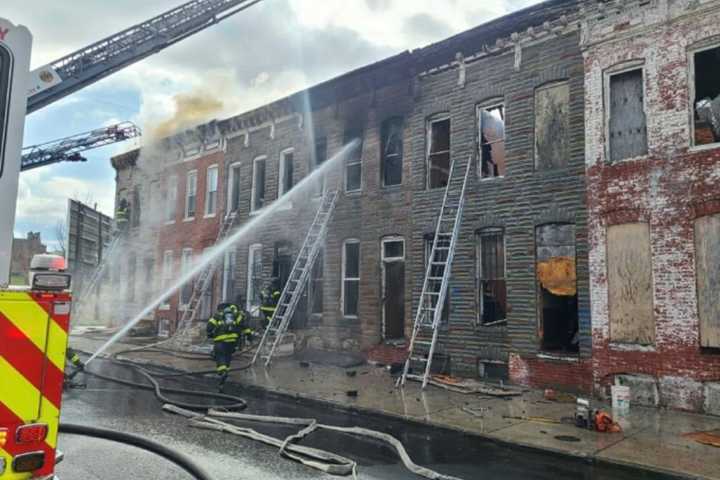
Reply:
x=214, y=254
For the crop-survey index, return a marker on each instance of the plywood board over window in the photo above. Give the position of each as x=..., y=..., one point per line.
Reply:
x=552, y=126
x=707, y=265
x=627, y=124
x=630, y=290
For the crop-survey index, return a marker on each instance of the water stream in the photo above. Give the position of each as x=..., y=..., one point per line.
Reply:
x=214, y=254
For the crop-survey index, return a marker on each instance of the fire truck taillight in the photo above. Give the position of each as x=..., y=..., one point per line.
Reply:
x=32, y=433
x=3, y=438
x=29, y=462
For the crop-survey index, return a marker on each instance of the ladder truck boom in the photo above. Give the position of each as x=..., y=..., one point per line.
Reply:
x=68, y=149
x=95, y=62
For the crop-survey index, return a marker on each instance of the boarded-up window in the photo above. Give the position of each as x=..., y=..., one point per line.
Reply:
x=707, y=264
x=630, y=288
x=552, y=126
x=627, y=126
x=491, y=133
x=438, y=161
x=392, y=151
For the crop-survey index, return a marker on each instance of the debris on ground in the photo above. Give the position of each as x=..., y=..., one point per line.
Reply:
x=533, y=419
x=711, y=438
x=470, y=386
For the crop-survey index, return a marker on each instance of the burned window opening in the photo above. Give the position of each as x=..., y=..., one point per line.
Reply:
x=491, y=285
x=353, y=161
x=491, y=133
x=258, y=186
x=707, y=96
x=438, y=161
x=552, y=126
x=235, y=178
x=557, y=287
x=286, y=172
x=391, y=144
x=627, y=123
x=317, y=159
x=282, y=262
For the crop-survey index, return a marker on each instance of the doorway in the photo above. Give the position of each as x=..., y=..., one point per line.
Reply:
x=282, y=262
x=393, y=288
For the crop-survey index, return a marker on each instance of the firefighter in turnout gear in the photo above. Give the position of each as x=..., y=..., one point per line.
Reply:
x=122, y=215
x=270, y=295
x=77, y=366
x=225, y=329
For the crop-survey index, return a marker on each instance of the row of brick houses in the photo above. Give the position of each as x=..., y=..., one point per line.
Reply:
x=589, y=249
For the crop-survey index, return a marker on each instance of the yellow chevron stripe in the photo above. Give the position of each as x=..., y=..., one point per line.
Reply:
x=21, y=397
x=9, y=475
x=31, y=319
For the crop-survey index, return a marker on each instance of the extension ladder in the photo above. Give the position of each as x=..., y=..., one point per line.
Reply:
x=437, y=276
x=297, y=280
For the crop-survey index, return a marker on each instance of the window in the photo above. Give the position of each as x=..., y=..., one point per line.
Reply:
x=353, y=162
x=285, y=182
x=135, y=210
x=552, y=126
x=185, y=266
x=319, y=157
x=282, y=262
x=317, y=283
x=491, y=287
x=258, y=184
x=350, y=277
x=707, y=267
x=557, y=287
x=167, y=275
x=191, y=195
x=627, y=131
x=228, y=285
x=211, y=191
x=171, y=198
x=706, y=104
x=438, y=159
x=391, y=153
x=491, y=140
x=254, y=277
x=234, y=188
x=437, y=272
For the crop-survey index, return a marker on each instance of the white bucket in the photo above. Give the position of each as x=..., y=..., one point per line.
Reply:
x=620, y=398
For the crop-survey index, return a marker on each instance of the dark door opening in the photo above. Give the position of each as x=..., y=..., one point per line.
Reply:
x=393, y=283
x=282, y=262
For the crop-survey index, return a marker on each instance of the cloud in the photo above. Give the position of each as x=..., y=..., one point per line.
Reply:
x=421, y=26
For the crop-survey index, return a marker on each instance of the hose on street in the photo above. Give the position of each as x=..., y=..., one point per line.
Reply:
x=173, y=456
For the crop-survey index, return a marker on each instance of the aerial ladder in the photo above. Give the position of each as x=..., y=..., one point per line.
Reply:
x=29, y=419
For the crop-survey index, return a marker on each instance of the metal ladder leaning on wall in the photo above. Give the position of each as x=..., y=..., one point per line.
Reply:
x=297, y=280
x=437, y=276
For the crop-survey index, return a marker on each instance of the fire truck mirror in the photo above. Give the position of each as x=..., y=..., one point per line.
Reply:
x=6, y=65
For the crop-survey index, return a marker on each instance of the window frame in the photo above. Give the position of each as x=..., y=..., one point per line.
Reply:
x=387, y=123
x=212, y=168
x=437, y=118
x=479, y=277
x=234, y=170
x=345, y=279
x=692, y=92
x=253, y=250
x=282, y=171
x=489, y=105
x=624, y=67
x=356, y=160
x=192, y=174
x=253, y=190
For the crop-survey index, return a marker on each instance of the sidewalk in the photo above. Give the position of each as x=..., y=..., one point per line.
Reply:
x=651, y=438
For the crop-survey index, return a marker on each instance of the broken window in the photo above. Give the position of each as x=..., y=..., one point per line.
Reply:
x=318, y=158
x=234, y=185
x=627, y=126
x=557, y=287
x=351, y=277
x=191, y=194
x=185, y=266
x=211, y=190
x=254, y=278
x=135, y=210
x=286, y=172
x=436, y=272
x=552, y=126
x=491, y=133
x=391, y=145
x=258, y=184
x=171, y=198
x=491, y=288
x=353, y=162
x=707, y=96
x=316, y=284
x=707, y=265
x=438, y=160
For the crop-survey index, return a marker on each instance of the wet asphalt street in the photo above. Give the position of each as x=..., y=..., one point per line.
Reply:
x=111, y=405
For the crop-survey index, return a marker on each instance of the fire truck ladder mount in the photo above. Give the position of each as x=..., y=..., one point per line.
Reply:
x=297, y=280
x=437, y=276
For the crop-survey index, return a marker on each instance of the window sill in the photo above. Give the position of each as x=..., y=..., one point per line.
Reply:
x=492, y=179
x=568, y=357
x=496, y=323
x=639, y=158
x=391, y=188
x=189, y=219
x=209, y=215
x=254, y=212
x=702, y=148
x=170, y=222
x=630, y=347
x=164, y=308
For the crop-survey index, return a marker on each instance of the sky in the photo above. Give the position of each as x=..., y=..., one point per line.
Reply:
x=261, y=54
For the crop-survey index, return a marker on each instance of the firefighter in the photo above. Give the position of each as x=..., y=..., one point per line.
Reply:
x=77, y=365
x=122, y=215
x=225, y=329
x=269, y=296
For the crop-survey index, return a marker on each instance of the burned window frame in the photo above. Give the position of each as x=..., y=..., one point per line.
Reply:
x=320, y=144
x=346, y=279
x=283, y=186
x=256, y=203
x=693, y=51
x=480, y=276
x=437, y=118
x=354, y=158
x=608, y=74
x=489, y=105
x=386, y=129
x=552, y=164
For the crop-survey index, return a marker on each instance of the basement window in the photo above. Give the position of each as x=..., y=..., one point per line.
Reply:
x=491, y=287
x=707, y=96
x=438, y=159
x=258, y=184
x=353, y=162
x=391, y=144
x=627, y=132
x=491, y=141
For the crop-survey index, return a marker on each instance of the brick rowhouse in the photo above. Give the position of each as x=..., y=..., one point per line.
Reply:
x=650, y=200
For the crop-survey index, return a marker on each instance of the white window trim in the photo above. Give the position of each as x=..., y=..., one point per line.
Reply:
x=385, y=260
x=185, y=267
x=691, y=96
x=215, y=167
x=478, y=273
x=252, y=251
x=440, y=117
x=489, y=105
x=166, y=276
x=394, y=239
x=230, y=191
x=190, y=174
x=253, y=190
x=624, y=67
x=344, y=278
